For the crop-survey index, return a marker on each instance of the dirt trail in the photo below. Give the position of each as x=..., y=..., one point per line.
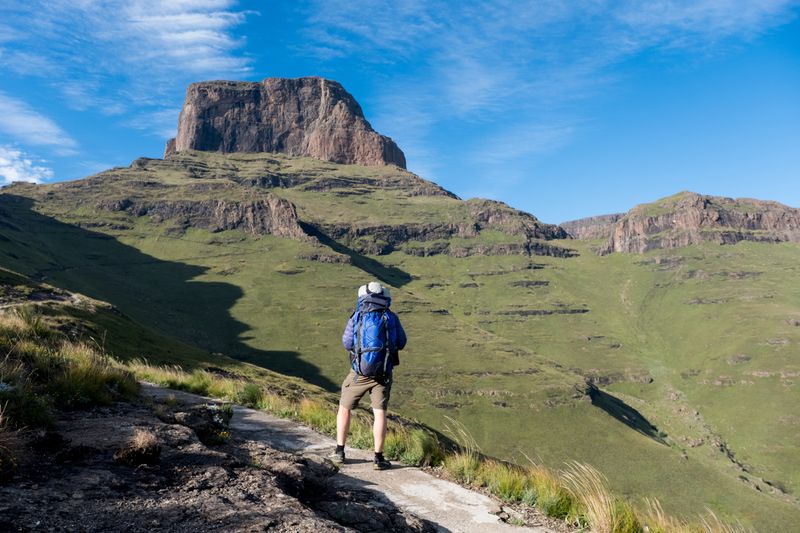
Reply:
x=448, y=505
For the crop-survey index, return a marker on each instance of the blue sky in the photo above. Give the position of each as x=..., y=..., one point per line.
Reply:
x=563, y=109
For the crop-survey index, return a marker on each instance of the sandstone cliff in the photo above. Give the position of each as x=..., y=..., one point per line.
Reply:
x=303, y=117
x=689, y=218
x=592, y=228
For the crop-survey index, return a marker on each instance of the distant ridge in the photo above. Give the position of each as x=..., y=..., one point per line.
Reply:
x=590, y=228
x=309, y=116
x=689, y=218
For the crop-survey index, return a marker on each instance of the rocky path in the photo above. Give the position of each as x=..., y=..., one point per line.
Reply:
x=447, y=505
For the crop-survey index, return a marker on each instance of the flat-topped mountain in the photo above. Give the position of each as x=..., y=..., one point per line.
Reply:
x=301, y=117
x=689, y=218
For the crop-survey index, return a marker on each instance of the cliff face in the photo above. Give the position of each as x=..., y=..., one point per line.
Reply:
x=270, y=216
x=591, y=228
x=303, y=117
x=690, y=218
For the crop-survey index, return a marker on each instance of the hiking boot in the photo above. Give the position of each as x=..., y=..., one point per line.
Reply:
x=337, y=457
x=381, y=464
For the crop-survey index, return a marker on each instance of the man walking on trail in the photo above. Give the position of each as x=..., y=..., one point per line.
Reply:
x=373, y=337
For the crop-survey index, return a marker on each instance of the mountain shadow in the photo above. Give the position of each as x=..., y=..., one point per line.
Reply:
x=625, y=414
x=164, y=295
x=387, y=274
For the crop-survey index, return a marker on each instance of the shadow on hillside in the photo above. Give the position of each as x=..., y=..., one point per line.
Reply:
x=164, y=295
x=625, y=414
x=387, y=274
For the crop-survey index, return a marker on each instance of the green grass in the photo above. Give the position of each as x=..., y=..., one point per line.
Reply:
x=510, y=378
x=41, y=370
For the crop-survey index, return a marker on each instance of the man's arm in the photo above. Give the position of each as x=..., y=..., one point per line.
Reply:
x=347, y=336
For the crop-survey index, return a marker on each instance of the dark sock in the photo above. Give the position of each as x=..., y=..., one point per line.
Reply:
x=339, y=448
x=379, y=456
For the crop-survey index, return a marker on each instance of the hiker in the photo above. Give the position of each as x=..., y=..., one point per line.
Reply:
x=373, y=337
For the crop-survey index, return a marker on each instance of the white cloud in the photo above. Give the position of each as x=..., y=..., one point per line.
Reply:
x=525, y=62
x=15, y=165
x=20, y=122
x=119, y=56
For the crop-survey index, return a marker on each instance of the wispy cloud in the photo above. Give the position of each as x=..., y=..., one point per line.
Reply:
x=160, y=123
x=22, y=123
x=124, y=56
x=15, y=165
x=521, y=62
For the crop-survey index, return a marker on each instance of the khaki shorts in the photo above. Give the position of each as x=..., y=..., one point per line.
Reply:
x=355, y=387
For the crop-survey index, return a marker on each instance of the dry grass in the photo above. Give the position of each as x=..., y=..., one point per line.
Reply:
x=143, y=439
x=10, y=447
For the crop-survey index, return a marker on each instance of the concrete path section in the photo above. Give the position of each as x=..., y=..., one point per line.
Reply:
x=448, y=505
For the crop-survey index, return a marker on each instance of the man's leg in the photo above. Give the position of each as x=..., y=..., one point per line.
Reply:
x=379, y=429
x=343, y=425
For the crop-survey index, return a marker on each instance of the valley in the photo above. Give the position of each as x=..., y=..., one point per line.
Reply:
x=673, y=371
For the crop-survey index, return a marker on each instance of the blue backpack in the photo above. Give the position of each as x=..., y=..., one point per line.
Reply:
x=371, y=343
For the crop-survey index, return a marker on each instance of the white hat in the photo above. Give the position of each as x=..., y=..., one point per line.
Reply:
x=373, y=287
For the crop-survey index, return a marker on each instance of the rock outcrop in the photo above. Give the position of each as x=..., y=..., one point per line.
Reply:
x=302, y=117
x=269, y=216
x=592, y=228
x=689, y=218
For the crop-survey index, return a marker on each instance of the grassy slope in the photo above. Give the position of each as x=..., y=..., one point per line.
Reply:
x=245, y=296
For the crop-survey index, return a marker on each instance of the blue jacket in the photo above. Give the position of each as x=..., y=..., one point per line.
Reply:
x=371, y=302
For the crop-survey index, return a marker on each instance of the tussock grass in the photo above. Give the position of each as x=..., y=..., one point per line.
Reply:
x=596, y=504
x=10, y=447
x=41, y=369
x=655, y=520
x=463, y=466
x=317, y=415
x=415, y=446
x=507, y=482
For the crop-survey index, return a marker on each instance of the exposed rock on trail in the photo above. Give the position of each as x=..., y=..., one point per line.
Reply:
x=303, y=116
x=74, y=483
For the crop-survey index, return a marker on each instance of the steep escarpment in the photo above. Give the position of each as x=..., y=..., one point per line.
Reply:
x=304, y=116
x=689, y=218
x=592, y=228
x=269, y=216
